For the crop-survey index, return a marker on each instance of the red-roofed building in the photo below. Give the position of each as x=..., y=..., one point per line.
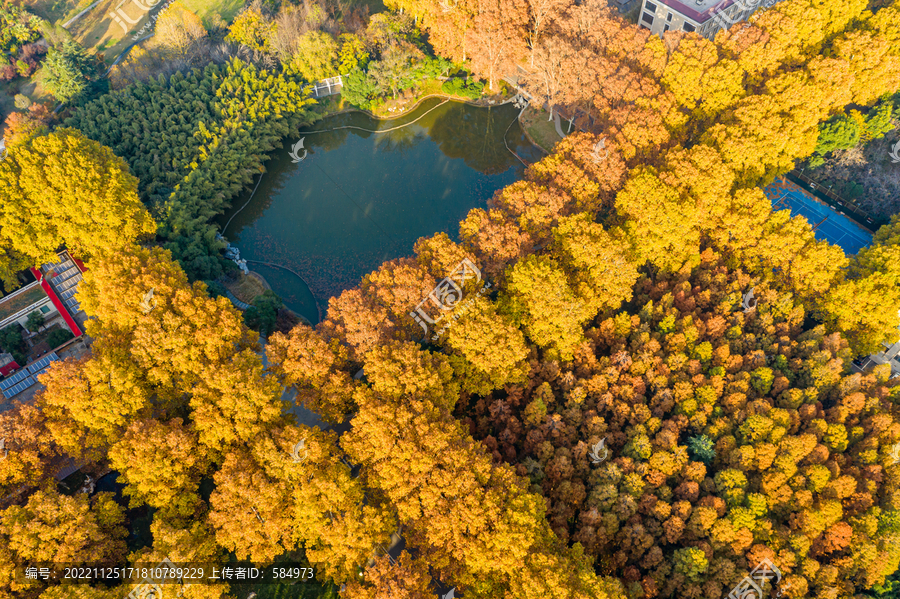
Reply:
x=8, y=364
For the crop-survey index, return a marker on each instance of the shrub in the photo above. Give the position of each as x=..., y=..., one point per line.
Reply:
x=215, y=289
x=70, y=71
x=263, y=314
x=35, y=321
x=8, y=72
x=458, y=86
x=11, y=342
x=58, y=336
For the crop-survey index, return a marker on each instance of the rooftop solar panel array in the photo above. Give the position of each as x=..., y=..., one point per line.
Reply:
x=65, y=279
x=17, y=388
x=12, y=380
x=43, y=363
x=26, y=377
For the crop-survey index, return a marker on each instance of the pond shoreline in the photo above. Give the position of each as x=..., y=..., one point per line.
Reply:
x=406, y=111
x=392, y=179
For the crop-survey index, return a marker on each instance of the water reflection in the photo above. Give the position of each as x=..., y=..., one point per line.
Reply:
x=474, y=139
x=361, y=198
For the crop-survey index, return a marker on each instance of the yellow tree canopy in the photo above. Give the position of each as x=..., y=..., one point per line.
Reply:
x=662, y=227
x=162, y=464
x=102, y=393
x=332, y=518
x=489, y=349
x=540, y=299
x=303, y=359
x=251, y=511
x=405, y=578
x=178, y=27
x=601, y=267
x=177, y=330
x=63, y=188
x=57, y=528
x=28, y=446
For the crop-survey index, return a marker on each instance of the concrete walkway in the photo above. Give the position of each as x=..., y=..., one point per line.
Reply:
x=79, y=15
x=302, y=415
x=234, y=300
x=557, y=124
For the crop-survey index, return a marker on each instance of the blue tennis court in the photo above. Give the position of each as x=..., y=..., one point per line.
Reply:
x=829, y=225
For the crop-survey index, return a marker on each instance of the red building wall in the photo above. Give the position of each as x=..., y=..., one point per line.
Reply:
x=60, y=307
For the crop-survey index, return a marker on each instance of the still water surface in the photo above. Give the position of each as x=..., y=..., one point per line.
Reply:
x=361, y=198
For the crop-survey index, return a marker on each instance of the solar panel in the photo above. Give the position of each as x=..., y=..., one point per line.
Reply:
x=42, y=363
x=68, y=284
x=65, y=275
x=12, y=380
x=38, y=373
x=18, y=387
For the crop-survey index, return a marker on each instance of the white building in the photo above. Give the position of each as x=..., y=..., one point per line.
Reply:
x=15, y=307
x=706, y=17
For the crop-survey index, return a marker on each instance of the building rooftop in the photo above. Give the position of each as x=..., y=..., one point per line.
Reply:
x=701, y=10
x=20, y=299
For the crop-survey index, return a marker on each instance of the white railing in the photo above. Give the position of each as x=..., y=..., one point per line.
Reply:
x=327, y=87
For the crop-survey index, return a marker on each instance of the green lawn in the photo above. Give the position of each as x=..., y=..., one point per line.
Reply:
x=205, y=9
x=57, y=11
x=542, y=131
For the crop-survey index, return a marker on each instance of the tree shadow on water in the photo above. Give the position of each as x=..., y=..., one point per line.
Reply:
x=475, y=134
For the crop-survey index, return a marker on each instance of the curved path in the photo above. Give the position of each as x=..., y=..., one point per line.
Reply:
x=234, y=300
x=295, y=273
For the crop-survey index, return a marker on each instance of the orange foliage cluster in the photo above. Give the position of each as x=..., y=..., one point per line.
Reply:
x=797, y=466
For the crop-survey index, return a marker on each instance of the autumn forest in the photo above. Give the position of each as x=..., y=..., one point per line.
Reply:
x=616, y=311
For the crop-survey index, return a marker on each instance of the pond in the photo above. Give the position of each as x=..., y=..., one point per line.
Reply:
x=359, y=198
